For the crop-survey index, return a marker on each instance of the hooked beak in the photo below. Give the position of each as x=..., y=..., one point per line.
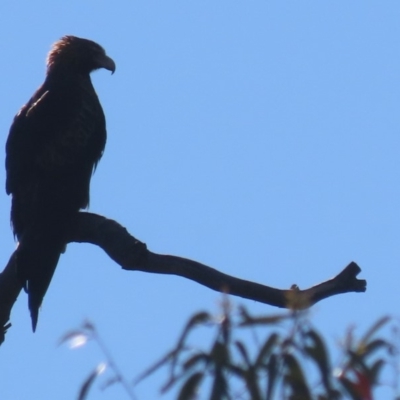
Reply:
x=107, y=63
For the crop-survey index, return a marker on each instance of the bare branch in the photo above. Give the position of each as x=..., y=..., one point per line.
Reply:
x=133, y=255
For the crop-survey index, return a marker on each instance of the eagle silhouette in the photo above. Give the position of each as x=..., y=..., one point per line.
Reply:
x=53, y=147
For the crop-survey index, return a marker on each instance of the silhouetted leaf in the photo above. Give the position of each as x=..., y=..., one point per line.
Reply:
x=86, y=385
x=189, y=388
x=317, y=351
x=199, y=318
x=236, y=370
x=349, y=386
x=294, y=377
x=89, y=326
x=171, y=381
x=194, y=360
x=272, y=368
x=219, y=386
x=157, y=365
x=375, y=345
x=76, y=338
x=267, y=347
x=363, y=384
x=110, y=382
x=252, y=383
x=247, y=319
x=374, y=328
x=219, y=354
x=242, y=350
x=375, y=369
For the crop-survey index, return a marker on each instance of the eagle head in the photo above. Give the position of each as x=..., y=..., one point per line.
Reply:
x=80, y=55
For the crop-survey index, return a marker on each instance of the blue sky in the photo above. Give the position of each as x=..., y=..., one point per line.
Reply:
x=261, y=138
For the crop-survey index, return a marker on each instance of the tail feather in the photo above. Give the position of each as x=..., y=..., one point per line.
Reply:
x=34, y=318
x=37, y=258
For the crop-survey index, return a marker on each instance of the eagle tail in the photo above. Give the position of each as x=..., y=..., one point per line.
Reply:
x=37, y=257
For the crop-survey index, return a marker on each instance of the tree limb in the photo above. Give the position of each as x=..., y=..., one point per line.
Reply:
x=133, y=255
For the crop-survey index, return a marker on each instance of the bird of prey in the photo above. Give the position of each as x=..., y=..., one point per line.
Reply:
x=53, y=147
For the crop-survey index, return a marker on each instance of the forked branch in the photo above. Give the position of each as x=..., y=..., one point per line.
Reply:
x=132, y=255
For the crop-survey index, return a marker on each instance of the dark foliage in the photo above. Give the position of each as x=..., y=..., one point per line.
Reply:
x=280, y=356
x=292, y=362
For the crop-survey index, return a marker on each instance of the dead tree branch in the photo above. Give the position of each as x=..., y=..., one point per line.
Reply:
x=132, y=255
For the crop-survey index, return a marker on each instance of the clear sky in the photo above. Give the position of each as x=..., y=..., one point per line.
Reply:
x=258, y=137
